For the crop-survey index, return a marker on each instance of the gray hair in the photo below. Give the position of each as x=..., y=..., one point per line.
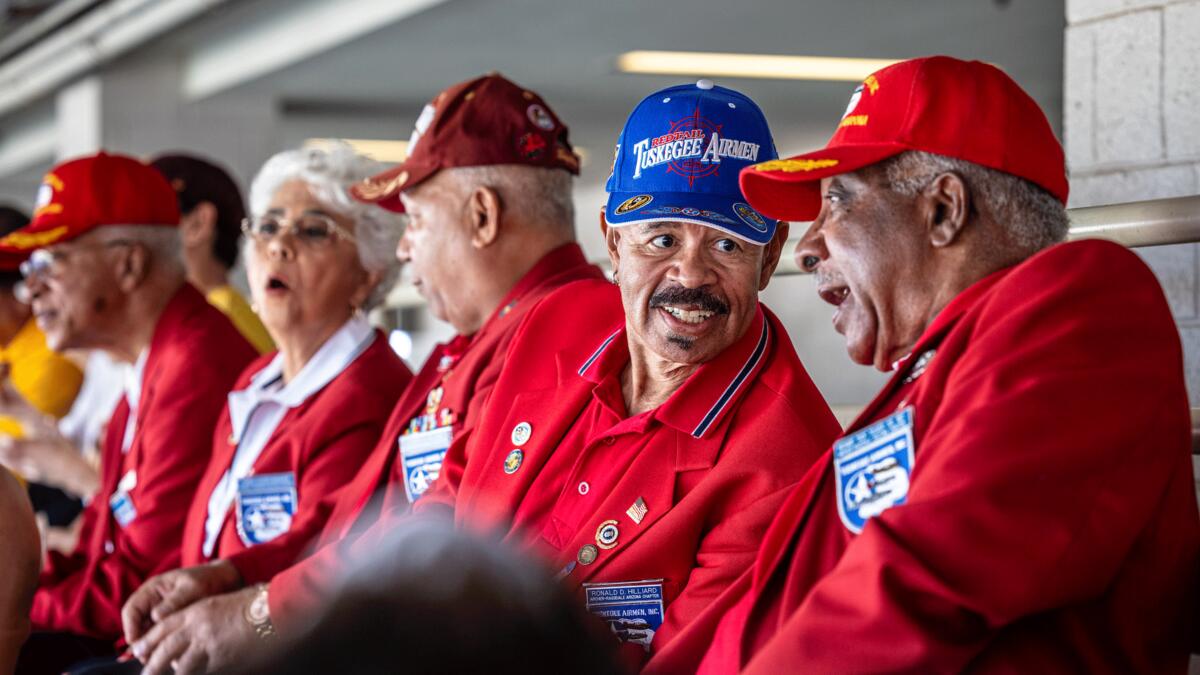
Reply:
x=329, y=172
x=539, y=194
x=1033, y=218
x=164, y=243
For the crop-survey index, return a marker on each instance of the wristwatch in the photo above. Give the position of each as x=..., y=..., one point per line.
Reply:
x=258, y=614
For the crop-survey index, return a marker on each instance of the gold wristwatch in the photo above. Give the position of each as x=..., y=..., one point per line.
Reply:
x=258, y=614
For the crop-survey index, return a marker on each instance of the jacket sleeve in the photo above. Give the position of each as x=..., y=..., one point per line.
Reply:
x=176, y=439
x=725, y=552
x=327, y=469
x=1059, y=430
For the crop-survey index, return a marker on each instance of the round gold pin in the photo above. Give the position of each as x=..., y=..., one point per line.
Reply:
x=513, y=461
x=587, y=554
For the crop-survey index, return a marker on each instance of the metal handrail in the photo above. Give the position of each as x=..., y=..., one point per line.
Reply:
x=1155, y=222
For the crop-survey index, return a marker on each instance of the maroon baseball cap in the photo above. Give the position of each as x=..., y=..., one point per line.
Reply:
x=482, y=122
x=967, y=110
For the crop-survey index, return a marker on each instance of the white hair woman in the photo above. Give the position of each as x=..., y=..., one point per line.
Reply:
x=300, y=421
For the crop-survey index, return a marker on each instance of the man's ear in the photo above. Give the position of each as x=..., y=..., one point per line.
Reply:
x=198, y=227
x=945, y=205
x=772, y=250
x=483, y=211
x=133, y=266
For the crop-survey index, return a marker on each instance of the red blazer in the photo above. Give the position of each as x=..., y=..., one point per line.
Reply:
x=1050, y=523
x=476, y=363
x=195, y=357
x=323, y=442
x=720, y=458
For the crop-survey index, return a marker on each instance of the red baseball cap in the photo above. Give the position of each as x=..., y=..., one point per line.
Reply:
x=482, y=122
x=80, y=195
x=967, y=110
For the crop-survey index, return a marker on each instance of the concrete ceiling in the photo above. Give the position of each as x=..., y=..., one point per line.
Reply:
x=565, y=49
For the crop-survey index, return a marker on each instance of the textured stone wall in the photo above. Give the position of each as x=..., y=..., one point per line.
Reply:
x=1131, y=109
x=1132, y=126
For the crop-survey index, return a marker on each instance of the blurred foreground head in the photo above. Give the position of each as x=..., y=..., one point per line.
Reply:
x=432, y=600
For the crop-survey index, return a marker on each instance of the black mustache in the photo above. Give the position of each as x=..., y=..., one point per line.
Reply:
x=700, y=297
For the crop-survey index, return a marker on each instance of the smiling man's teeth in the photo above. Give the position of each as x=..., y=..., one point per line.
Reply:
x=688, y=315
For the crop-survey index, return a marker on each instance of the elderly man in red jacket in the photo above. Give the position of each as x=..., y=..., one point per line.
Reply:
x=644, y=454
x=488, y=189
x=104, y=272
x=1019, y=497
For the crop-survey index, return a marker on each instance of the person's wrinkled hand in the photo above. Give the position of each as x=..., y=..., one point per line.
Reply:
x=209, y=636
x=168, y=593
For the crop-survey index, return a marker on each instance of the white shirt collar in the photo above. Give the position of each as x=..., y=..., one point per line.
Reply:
x=133, y=381
x=331, y=359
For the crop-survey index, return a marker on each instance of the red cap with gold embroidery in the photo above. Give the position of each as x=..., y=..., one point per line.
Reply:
x=481, y=122
x=967, y=110
x=80, y=195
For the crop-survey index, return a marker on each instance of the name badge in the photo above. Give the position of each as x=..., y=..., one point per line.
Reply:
x=422, y=454
x=265, y=506
x=122, y=508
x=633, y=609
x=872, y=467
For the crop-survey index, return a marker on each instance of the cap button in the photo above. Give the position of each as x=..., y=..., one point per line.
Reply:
x=705, y=84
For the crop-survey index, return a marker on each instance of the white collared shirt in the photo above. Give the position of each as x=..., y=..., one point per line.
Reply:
x=133, y=394
x=256, y=411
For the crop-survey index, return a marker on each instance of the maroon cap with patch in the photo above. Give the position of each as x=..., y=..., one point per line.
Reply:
x=481, y=122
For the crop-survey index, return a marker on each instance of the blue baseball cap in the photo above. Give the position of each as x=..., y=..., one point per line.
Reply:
x=679, y=156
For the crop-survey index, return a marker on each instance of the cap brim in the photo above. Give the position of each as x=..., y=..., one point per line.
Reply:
x=384, y=189
x=731, y=215
x=790, y=189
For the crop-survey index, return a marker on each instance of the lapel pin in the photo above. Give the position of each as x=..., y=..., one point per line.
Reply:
x=521, y=434
x=638, y=511
x=606, y=534
x=587, y=554
x=513, y=461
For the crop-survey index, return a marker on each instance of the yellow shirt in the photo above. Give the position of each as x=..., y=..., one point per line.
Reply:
x=231, y=303
x=48, y=381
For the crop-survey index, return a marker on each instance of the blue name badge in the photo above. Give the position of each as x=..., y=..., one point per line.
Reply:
x=265, y=506
x=122, y=508
x=422, y=454
x=633, y=609
x=872, y=467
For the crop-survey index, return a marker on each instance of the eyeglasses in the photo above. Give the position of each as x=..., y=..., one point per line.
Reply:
x=49, y=263
x=311, y=229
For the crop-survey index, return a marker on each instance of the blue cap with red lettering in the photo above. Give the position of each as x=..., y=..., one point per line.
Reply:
x=678, y=159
